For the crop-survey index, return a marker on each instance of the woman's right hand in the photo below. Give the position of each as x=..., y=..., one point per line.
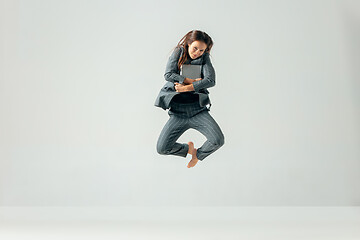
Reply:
x=198, y=79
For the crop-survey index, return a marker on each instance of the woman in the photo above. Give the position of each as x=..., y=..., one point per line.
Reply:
x=187, y=100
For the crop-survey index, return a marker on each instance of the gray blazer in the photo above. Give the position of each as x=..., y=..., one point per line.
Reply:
x=172, y=75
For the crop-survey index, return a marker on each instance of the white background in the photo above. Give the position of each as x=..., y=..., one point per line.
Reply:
x=78, y=80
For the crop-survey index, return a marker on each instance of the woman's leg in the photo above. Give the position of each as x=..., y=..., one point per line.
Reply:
x=172, y=130
x=206, y=124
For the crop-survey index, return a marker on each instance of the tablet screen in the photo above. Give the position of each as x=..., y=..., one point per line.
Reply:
x=191, y=71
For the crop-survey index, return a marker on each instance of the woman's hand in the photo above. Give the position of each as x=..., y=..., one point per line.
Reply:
x=181, y=87
x=190, y=81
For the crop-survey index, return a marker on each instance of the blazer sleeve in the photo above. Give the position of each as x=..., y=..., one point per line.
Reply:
x=172, y=74
x=209, y=75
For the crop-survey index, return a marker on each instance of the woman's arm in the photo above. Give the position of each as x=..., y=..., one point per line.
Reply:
x=209, y=76
x=171, y=70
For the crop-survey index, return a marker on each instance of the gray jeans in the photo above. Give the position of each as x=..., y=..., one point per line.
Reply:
x=182, y=117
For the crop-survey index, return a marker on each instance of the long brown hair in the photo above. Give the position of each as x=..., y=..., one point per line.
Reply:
x=194, y=35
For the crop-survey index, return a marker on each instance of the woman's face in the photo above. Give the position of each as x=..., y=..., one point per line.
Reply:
x=196, y=49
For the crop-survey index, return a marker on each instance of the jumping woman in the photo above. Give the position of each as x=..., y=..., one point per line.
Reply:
x=187, y=100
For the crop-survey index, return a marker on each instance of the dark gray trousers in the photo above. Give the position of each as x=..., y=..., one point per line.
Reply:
x=182, y=117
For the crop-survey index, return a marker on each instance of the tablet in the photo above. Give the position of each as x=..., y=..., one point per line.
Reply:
x=192, y=71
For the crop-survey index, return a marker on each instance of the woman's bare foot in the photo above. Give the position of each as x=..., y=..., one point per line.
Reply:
x=191, y=147
x=193, y=160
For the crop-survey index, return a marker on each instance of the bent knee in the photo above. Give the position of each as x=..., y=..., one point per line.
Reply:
x=160, y=148
x=220, y=141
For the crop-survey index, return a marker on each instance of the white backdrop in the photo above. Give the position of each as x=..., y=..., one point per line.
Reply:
x=79, y=80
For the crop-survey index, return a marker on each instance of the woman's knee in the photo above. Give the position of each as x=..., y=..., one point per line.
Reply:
x=220, y=140
x=161, y=148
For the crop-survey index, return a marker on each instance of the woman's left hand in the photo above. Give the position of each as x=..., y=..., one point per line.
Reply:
x=180, y=87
